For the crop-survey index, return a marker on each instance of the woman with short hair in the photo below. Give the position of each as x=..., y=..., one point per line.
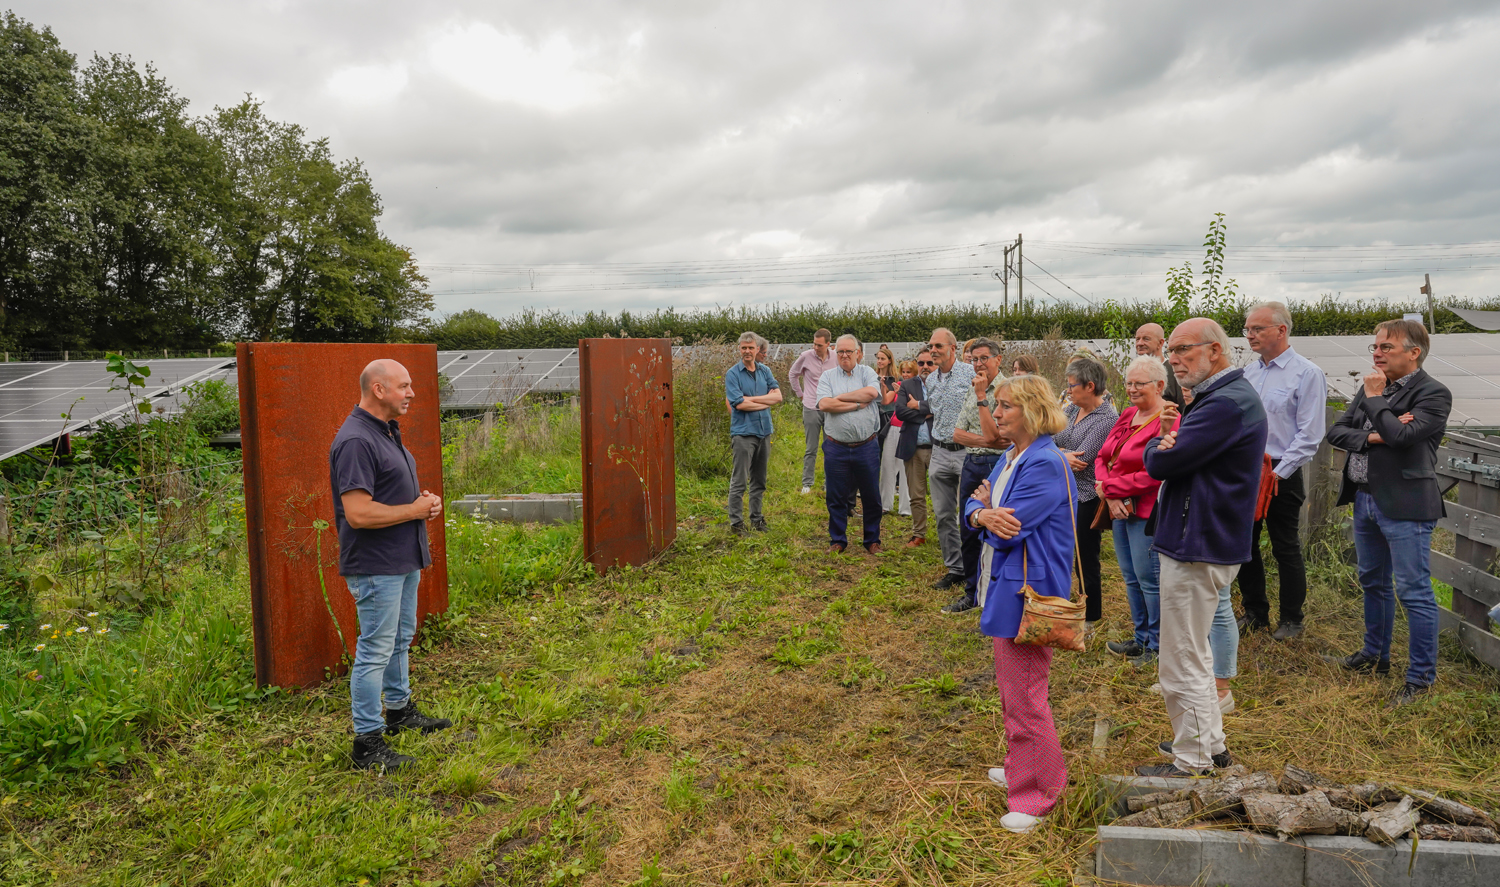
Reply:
x=1090, y=419
x=1025, y=511
x=1024, y=365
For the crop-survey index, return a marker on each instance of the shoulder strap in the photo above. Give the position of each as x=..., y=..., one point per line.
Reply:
x=1073, y=513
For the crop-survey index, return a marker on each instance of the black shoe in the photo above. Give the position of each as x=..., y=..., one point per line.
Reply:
x=1130, y=649
x=739, y=530
x=1222, y=760
x=1248, y=623
x=1145, y=660
x=410, y=718
x=1407, y=694
x=1168, y=771
x=1286, y=631
x=962, y=605
x=371, y=753
x=758, y=526
x=1363, y=663
x=948, y=581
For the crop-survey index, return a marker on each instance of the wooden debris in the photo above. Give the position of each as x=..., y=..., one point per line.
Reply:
x=1306, y=814
x=1146, y=802
x=1296, y=781
x=1453, y=811
x=1221, y=796
x=1170, y=815
x=1442, y=831
x=1388, y=826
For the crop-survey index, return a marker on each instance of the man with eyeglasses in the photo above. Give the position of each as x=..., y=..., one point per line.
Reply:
x=1210, y=468
x=1149, y=340
x=849, y=397
x=914, y=448
x=1294, y=393
x=1391, y=431
x=949, y=384
x=976, y=432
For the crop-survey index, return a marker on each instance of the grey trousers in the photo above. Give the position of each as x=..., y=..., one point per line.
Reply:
x=812, y=425
x=943, y=474
x=1189, y=599
x=751, y=454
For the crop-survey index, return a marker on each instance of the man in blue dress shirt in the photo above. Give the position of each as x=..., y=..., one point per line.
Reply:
x=1295, y=395
x=751, y=391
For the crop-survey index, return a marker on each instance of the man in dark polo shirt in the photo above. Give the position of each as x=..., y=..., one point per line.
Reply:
x=381, y=514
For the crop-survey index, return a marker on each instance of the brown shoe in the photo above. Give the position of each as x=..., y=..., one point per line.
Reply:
x=874, y=548
x=915, y=541
x=836, y=548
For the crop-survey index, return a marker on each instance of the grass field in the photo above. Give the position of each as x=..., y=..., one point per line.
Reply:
x=745, y=711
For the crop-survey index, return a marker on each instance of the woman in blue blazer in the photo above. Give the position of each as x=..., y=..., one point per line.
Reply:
x=1026, y=511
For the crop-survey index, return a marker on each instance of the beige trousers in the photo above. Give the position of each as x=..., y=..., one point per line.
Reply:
x=1189, y=598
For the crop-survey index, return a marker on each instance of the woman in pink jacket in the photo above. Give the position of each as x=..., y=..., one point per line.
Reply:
x=1130, y=493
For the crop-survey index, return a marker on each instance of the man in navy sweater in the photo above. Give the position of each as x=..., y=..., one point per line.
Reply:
x=1211, y=472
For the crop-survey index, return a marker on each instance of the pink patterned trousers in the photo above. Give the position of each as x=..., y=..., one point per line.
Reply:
x=1035, y=772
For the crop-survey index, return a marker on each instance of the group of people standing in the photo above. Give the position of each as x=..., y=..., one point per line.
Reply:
x=1204, y=457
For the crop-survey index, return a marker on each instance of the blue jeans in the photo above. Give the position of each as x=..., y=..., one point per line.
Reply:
x=387, y=608
x=847, y=470
x=1397, y=549
x=1142, y=573
x=1224, y=638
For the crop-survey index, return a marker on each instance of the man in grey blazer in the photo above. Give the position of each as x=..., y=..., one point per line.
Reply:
x=1391, y=431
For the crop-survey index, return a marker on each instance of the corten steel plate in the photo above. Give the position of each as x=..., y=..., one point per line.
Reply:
x=629, y=468
x=293, y=399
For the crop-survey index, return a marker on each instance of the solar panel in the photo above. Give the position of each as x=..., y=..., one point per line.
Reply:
x=40, y=402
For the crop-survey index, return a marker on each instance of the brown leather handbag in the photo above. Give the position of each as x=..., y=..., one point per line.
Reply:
x=1048, y=621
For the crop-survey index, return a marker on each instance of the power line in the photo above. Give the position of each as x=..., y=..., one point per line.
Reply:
x=1059, y=280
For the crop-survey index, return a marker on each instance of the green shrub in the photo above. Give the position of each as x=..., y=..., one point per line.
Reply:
x=700, y=413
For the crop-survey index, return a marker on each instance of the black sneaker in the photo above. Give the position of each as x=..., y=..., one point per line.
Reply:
x=961, y=605
x=1363, y=663
x=758, y=526
x=410, y=718
x=1248, y=623
x=1286, y=631
x=371, y=753
x=1130, y=649
x=1222, y=760
x=1168, y=771
x=1145, y=660
x=948, y=581
x=739, y=530
x=1409, y=693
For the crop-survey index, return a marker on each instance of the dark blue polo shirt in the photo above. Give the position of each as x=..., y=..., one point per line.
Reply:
x=367, y=454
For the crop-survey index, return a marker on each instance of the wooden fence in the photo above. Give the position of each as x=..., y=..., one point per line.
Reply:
x=1472, y=463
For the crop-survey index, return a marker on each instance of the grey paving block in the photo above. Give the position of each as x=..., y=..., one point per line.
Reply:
x=1169, y=857
x=1115, y=790
x=1243, y=859
x=1456, y=864
x=468, y=506
x=1334, y=861
x=557, y=510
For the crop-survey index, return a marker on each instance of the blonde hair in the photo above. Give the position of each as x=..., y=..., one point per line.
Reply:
x=907, y=366
x=1039, y=410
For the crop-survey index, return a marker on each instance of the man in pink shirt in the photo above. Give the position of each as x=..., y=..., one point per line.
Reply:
x=806, y=370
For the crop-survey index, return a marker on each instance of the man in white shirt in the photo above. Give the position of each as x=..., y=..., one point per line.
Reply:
x=1295, y=395
x=848, y=396
x=804, y=374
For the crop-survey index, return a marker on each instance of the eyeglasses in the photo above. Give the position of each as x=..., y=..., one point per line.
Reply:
x=1140, y=384
x=845, y=353
x=1387, y=348
x=926, y=363
x=1181, y=350
x=974, y=358
x=1257, y=329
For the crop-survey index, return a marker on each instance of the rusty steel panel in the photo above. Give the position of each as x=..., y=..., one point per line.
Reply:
x=629, y=470
x=293, y=399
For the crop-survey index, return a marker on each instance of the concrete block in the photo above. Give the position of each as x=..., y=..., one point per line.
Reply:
x=1158, y=856
x=1244, y=859
x=557, y=510
x=1114, y=790
x=468, y=506
x=1456, y=864
x=1335, y=861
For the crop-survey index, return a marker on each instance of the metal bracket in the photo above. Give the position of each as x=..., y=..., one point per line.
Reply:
x=1490, y=471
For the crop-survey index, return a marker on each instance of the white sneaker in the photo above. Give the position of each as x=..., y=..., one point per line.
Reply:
x=806, y=490
x=1156, y=688
x=997, y=776
x=1226, y=703
x=1020, y=823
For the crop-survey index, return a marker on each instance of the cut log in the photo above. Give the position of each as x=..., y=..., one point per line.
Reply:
x=1287, y=816
x=1296, y=781
x=1170, y=815
x=1373, y=795
x=1444, y=831
x=1388, y=826
x=1146, y=802
x=1452, y=811
x=1221, y=796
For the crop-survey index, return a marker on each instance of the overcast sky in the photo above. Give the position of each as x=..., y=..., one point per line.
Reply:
x=624, y=137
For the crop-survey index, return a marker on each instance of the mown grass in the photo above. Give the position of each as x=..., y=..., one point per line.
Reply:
x=744, y=711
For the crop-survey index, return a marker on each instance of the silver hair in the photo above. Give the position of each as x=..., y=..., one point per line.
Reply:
x=1215, y=333
x=1280, y=314
x=948, y=334
x=750, y=337
x=1087, y=371
x=858, y=346
x=1155, y=370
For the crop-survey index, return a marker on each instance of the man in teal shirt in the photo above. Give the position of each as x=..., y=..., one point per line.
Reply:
x=751, y=391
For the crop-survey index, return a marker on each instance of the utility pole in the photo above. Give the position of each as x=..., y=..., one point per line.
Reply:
x=1020, y=276
x=1010, y=262
x=1431, y=313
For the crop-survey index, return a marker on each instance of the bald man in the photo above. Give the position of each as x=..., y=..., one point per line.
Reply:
x=1148, y=341
x=381, y=513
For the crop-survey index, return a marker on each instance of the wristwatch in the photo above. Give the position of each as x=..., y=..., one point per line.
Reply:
x=986, y=404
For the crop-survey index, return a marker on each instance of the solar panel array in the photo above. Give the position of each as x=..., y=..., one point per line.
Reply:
x=40, y=402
